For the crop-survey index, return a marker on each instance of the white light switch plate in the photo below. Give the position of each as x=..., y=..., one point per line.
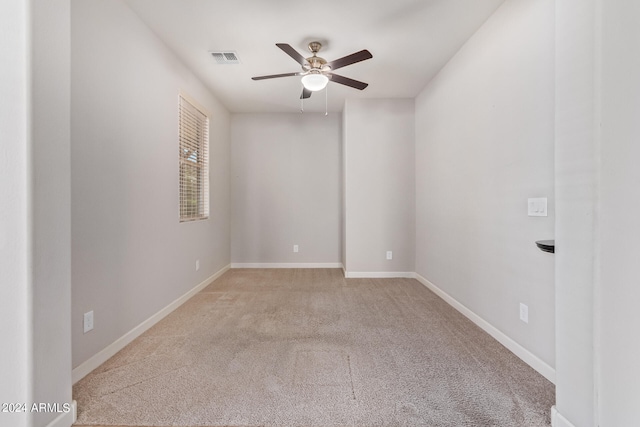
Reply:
x=537, y=207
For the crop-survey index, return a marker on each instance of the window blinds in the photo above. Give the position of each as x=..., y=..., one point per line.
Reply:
x=194, y=162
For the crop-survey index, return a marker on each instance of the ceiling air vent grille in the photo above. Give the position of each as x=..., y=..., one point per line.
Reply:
x=229, y=57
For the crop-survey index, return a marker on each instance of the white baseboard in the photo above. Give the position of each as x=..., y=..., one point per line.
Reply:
x=66, y=419
x=286, y=265
x=379, y=274
x=529, y=358
x=557, y=420
x=98, y=359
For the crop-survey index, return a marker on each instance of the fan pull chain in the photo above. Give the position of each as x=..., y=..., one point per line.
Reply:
x=326, y=91
x=302, y=103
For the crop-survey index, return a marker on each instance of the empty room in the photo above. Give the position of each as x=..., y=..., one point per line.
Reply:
x=292, y=213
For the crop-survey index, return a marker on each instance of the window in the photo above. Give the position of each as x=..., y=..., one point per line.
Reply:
x=194, y=162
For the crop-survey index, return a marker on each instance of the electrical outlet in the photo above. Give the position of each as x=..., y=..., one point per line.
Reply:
x=88, y=321
x=524, y=313
x=197, y=264
x=295, y=248
x=389, y=254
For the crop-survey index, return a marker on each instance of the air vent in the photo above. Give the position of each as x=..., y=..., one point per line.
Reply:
x=229, y=57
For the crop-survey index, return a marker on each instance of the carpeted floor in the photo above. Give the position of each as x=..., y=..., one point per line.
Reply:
x=307, y=347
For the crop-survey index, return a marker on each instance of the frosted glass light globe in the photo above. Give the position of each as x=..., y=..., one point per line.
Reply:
x=315, y=82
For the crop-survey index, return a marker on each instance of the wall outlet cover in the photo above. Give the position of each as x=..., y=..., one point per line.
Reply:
x=88, y=321
x=524, y=313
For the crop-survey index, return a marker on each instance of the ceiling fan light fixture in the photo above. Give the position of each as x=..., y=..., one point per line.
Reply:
x=315, y=81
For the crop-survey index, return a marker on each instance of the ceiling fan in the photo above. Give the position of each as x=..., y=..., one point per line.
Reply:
x=317, y=72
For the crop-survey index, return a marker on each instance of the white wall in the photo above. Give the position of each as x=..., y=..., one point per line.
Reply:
x=379, y=185
x=35, y=248
x=131, y=256
x=51, y=204
x=286, y=188
x=618, y=290
x=484, y=144
x=15, y=228
x=343, y=187
x=576, y=199
x=597, y=213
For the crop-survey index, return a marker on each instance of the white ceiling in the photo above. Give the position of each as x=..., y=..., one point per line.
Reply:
x=410, y=41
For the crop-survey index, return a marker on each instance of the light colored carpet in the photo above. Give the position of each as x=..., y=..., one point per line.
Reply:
x=307, y=347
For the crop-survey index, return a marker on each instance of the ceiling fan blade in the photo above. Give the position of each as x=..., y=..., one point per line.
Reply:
x=348, y=82
x=350, y=59
x=306, y=93
x=292, y=53
x=275, y=76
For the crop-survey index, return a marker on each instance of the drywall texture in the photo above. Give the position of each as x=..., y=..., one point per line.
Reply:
x=130, y=255
x=618, y=290
x=379, y=185
x=484, y=144
x=285, y=188
x=576, y=180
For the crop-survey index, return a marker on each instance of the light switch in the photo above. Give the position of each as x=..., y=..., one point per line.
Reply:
x=537, y=206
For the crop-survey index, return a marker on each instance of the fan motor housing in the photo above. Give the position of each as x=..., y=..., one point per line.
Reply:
x=315, y=63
